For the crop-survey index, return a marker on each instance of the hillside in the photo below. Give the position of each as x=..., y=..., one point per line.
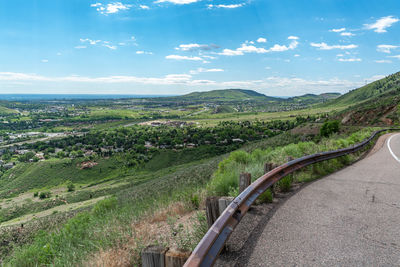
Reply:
x=376, y=103
x=369, y=91
x=228, y=95
x=312, y=98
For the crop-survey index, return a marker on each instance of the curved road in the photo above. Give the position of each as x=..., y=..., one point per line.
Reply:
x=349, y=218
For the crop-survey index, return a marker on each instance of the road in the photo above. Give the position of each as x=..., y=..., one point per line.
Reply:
x=349, y=218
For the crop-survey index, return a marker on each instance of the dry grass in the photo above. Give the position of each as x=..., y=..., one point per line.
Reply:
x=153, y=229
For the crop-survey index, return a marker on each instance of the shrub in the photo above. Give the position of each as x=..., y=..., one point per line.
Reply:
x=329, y=127
x=285, y=183
x=266, y=197
x=70, y=186
x=36, y=194
x=44, y=195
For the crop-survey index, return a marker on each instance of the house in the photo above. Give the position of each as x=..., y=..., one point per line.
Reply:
x=9, y=165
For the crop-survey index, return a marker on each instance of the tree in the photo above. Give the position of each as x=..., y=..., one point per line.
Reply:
x=329, y=127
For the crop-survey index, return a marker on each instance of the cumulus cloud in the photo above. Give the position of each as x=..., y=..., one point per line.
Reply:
x=177, y=57
x=293, y=38
x=386, y=48
x=382, y=24
x=324, y=46
x=231, y=6
x=144, y=7
x=261, y=40
x=248, y=47
x=194, y=47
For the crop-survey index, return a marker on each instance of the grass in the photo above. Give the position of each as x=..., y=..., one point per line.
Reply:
x=225, y=180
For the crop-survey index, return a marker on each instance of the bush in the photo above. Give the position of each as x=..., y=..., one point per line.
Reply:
x=36, y=194
x=285, y=183
x=70, y=186
x=329, y=127
x=266, y=197
x=44, y=195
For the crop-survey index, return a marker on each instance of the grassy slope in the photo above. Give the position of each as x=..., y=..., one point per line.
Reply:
x=368, y=91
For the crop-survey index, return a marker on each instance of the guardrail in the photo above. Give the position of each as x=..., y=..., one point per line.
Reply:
x=212, y=243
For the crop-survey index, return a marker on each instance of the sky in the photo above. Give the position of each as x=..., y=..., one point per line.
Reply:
x=279, y=48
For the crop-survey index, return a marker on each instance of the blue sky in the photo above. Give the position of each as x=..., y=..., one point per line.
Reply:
x=280, y=48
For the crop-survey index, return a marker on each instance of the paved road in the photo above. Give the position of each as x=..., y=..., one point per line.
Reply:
x=350, y=218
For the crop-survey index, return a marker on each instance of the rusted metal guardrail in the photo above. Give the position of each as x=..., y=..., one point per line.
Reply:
x=212, y=243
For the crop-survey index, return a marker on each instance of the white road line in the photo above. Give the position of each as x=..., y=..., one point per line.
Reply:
x=390, y=149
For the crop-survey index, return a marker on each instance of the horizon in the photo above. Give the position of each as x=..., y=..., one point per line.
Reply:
x=175, y=47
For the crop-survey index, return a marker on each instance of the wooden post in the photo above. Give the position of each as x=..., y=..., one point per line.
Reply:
x=244, y=181
x=154, y=256
x=224, y=202
x=176, y=258
x=212, y=210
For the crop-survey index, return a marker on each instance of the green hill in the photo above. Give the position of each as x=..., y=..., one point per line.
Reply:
x=377, y=103
x=312, y=98
x=228, y=95
x=369, y=91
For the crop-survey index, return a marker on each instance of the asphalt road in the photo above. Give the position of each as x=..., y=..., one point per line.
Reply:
x=350, y=218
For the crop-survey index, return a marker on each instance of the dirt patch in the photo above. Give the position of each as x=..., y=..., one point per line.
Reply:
x=87, y=165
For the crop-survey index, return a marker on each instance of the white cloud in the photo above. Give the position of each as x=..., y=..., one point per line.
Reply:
x=252, y=49
x=338, y=30
x=45, y=60
x=269, y=85
x=226, y=6
x=140, y=52
x=386, y=48
x=296, y=55
x=112, y=47
x=246, y=48
x=194, y=47
x=381, y=24
x=324, y=46
x=350, y=59
x=230, y=52
x=293, y=38
x=177, y=2
x=347, y=34
x=111, y=8
x=144, y=7
x=200, y=70
x=80, y=47
x=177, y=57
x=383, y=61
x=261, y=40
x=92, y=42
x=398, y=56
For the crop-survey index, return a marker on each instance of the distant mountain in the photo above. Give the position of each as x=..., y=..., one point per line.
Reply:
x=229, y=95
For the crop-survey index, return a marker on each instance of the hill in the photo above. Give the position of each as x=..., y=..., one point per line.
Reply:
x=312, y=98
x=377, y=103
x=369, y=91
x=228, y=95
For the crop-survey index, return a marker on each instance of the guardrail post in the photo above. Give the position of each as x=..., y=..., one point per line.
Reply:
x=244, y=181
x=215, y=206
x=176, y=258
x=154, y=256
